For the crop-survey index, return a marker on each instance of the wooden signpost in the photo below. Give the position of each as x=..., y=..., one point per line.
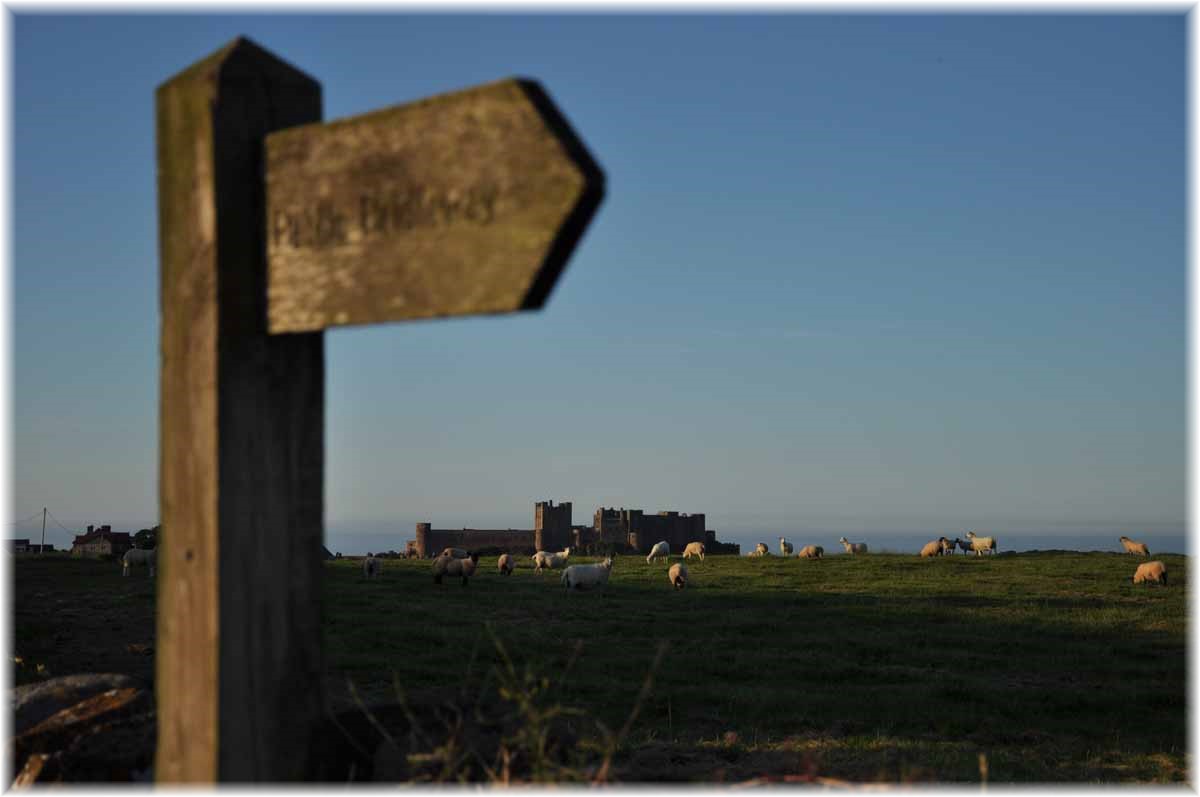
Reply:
x=273, y=227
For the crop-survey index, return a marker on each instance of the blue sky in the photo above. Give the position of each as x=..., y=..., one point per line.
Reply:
x=852, y=271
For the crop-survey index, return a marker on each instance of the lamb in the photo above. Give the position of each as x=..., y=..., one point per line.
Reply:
x=1154, y=572
x=948, y=545
x=694, y=549
x=506, y=564
x=662, y=549
x=981, y=544
x=760, y=550
x=1135, y=547
x=550, y=561
x=371, y=566
x=678, y=575
x=583, y=577
x=811, y=552
x=934, y=548
x=451, y=566
x=139, y=557
x=457, y=553
x=853, y=548
x=785, y=547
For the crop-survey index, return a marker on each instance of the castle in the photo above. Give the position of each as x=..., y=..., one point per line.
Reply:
x=552, y=531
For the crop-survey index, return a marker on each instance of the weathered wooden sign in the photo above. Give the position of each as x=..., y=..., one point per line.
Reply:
x=465, y=203
x=459, y=204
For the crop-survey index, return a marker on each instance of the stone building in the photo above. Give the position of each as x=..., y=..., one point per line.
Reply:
x=640, y=531
x=552, y=526
x=101, y=542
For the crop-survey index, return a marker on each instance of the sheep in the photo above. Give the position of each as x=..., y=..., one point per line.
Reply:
x=371, y=566
x=1155, y=572
x=452, y=566
x=760, y=550
x=662, y=548
x=853, y=548
x=964, y=545
x=139, y=556
x=785, y=547
x=934, y=548
x=694, y=549
x=981, y=544
x=1135, y=547
x=678, y=575
x=457, y=553
x=550, y=561
x=506, y=564
x=948, y=545
x=811, y=552
x=583, y=577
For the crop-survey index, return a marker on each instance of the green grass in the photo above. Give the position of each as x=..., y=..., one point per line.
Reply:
x=885, y=667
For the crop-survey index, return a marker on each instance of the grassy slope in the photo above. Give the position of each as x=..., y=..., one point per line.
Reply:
x=882, y=667
x=879, y=667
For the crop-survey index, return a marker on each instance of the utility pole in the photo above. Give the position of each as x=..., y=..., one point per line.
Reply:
x=42, y=550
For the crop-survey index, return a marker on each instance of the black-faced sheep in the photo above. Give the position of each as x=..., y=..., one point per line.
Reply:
x=451, y=566
x=371, y=566
x=1153, y=572
x=935, y=548
x=506, y=564
x=678, y=575
x=1131, y=546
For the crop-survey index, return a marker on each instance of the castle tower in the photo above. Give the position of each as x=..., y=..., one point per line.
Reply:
x=551, y=525
x=422, y=539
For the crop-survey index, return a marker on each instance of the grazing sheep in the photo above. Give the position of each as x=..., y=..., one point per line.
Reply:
x=811, y=552
x=457, y=553
x=785, y=547
x=451, y=566
x=678, y=575
x=550, y=561
x=506, y=564
x=949, y=545
x=934, y=548
x=139, y=557
x=662, y=549
x=1154, y=572
x=981, y=544
x=371, y=566
x=853, y=548
x=760, y=550
x=694, y=549
x=583, y=577
x=1135, y=547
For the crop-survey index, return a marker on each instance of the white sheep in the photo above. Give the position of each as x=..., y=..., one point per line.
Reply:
x=933, y=548
x=811, y=552
x=371, y=566
x=506, y=564
x=1154, y=572
x=760, y=550
x=785, y=547
x=583, y=577
x=1135, y=547
x=678, y=575
x=139, y=557
x=853, y=548
x=981, y=544
x=543, y=560
x=452, y=566
x=662, y=548
x=694, y=549
x=457, y=553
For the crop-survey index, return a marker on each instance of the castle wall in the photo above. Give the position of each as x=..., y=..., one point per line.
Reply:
x=430, y=541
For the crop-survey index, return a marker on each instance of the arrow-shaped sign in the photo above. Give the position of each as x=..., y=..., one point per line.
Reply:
x=459, y=204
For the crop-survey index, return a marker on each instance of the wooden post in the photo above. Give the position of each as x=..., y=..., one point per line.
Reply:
x=241, y=440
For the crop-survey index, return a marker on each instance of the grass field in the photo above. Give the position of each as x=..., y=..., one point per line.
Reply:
x=885, y=667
